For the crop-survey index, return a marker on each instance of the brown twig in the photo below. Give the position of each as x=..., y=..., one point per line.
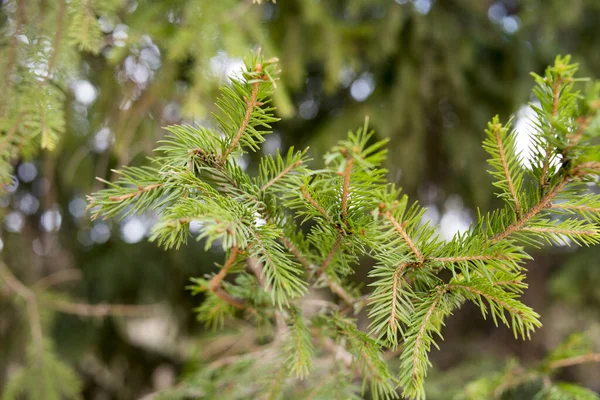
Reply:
x=102, y=310
x=215, y=281
x=29, y=296
x=58, y=277
x=568, y=362
x=214, y=285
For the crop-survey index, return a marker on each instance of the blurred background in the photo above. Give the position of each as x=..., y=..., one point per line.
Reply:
x=428, y=73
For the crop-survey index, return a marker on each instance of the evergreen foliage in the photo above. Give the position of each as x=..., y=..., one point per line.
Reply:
x=348, y=209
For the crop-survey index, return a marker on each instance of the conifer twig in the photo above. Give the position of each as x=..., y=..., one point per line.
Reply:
x=395, y=286
x=555, y=100
x=585, y=208
x=331, y=253
x=314, y=203
x=281, y=175
x=215, y=281
x=214, y=285
x=11, y=132
x=400, y=229
x=335, y=287
x=421, y=334
x=251, y=103
x=509, y=181
x=139, y=191
x=533, y=211
x=559, y=231
x=296, y=252
x=346, y=187
x=468, y=258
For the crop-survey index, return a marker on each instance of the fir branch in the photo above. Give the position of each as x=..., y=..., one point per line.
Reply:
x=309, y=198
x=523, y=319
x=400, y=229
x=460, y=259
x=281, y=175
x=214, y=285
x=251, y=103
x=576, y=207
x=299, y=346
x=229, y=299
x=426, y=320
x=532, y=212
x=346, y=187
x=139, y=191
x=555, y=102
x=500, y=144
x=331, y=254
x=557, y=230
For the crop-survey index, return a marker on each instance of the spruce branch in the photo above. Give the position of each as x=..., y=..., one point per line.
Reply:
x=400, y=229
x=349, y=210
x=215, y=281
x=500, y=144
x=281, y=175
x=523, y=319
x=251, y=103
x=346, y=188
x=555, y=102
x=330, y=256
x=532, y=212
x=139, y=191
x=309, y=198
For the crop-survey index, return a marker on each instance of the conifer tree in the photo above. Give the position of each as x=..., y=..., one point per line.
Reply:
x=291, y=230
